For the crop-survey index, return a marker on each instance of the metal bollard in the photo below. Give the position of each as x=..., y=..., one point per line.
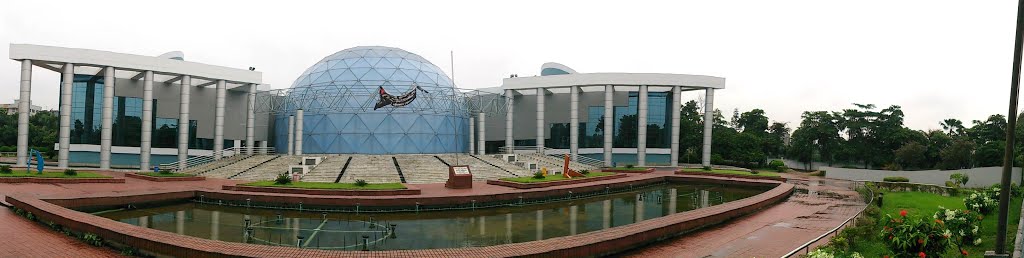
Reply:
x=366, y=242
x=298, y=242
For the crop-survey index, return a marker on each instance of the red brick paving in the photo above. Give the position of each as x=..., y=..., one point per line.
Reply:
x=772, y=232
x=754, y=234
x=22, y=238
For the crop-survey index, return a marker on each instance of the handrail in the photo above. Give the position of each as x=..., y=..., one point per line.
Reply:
x=557, y=153
x=807, y=246
x=199, y=160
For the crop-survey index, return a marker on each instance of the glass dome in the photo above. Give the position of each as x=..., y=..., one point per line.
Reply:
x=375, y=100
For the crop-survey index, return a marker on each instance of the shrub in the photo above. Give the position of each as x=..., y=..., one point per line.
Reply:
x=777, y=165
x=980, y=202
x=630, y=165
x=5, y=169
x=895, y=179
x=961, y=224
x=70, y=172
x=912, y=236
x=538, y=175
x=92, y=239
x=706, y=168
x=817, y=173
x=754, y=172
x=585, y=172
x=283, y=179
x=1015, y=190
x=959, y=179
x=361, y=183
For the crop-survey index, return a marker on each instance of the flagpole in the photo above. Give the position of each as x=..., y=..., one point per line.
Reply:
x=1004, y=194
x=455, y=90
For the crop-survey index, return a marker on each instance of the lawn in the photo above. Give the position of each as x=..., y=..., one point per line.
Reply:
x=549, y=178
x=323, y=185
x=732, y=172
x=925, y=204
x=53, y=174
x=158, y=174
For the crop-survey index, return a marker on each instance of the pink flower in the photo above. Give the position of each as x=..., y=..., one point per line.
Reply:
x=903, y=213
x=921, y=254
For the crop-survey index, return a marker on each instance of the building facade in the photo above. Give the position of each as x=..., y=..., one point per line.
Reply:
x=563, y=111
x=130, y=110
x=11, y=109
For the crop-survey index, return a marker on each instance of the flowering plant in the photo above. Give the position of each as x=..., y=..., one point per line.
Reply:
x=982, y=203
x=961, y=226
x=914, y=236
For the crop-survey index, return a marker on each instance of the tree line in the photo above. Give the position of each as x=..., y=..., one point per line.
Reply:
x=42, y=132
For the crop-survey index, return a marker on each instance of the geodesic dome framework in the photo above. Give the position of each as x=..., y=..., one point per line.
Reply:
x=343, y=113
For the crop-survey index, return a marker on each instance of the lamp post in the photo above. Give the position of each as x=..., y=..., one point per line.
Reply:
x=1004, y=194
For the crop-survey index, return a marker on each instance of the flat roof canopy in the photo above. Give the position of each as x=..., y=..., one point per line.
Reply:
x=615, y=79
x=89, y=61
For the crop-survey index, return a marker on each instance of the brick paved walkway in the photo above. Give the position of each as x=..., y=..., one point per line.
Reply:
x=773, y=232
x=22, y=238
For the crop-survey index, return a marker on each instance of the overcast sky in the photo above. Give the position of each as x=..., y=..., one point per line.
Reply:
x=936, y=59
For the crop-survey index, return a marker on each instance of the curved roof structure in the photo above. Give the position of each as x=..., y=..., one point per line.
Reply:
x=552, y=68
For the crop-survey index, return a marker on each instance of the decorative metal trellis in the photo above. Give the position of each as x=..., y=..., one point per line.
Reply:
x=335, y=98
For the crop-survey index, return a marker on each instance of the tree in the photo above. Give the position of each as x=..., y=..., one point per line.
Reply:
x=936, y=141
x=753, y=121
x=990, y=154
x=957, y=155
x=818, y=133
x=954, y=127
x=991, y=129
x=691, y=130
x=911, y=155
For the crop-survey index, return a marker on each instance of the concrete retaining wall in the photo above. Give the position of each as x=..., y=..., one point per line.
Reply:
x=980, y=177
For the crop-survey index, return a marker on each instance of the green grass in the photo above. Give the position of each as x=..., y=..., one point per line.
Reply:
x=157, y=174
x=549, y=178
x=53, y=174
x=926, y=204
x=733, y=172
x=629, y=168
x=323, y=185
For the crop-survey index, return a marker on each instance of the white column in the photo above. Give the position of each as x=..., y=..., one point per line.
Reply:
x=672, y=198
x=509, y=111
x=540, y=224
x=106, y=130
x=638, y=208
x=179, y=222
x=704, y=198
x=263, y=147
x=64, y=135
x=606, y=214
x=215, y=225
x=540, y=119
x=609, y=122
x=183, y=116
x=24, y=108
x=641, y=128
x=674, y=156
x=291, y=135
x=250, y=121
x=508, y=228
x=218, y=122
x=573, y=211
x=472, y=135
x=146, y=141
x=574, y=121
x=481, y=135
x=298, y=131
x=483, y=225
x=144, y=221
x=709, y=111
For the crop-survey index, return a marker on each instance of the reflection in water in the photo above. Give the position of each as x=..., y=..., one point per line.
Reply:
x=426, y=230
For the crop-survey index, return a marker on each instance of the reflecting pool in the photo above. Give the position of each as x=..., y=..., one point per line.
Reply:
x=427, y=230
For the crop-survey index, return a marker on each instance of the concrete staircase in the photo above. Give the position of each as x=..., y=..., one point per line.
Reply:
x=422, y=169
x=270, y=169
x=238, y=167
x=214, y=165
x=327, y=171
x=372, y=168
x=517, y=170
x=551, y=163
x=481, y=170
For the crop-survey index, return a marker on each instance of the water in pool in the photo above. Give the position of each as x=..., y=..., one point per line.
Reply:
x=427, y=230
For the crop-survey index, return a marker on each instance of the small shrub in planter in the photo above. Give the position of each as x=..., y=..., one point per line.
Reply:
x=70, y=172
x=630, y=166
x=361, y=183
x=538, y=175
x=897, y=179
x=754, y=172
x=913, y=236
x=5, y=169
x=283, y=179
x=706, y=168
x=585, y=172
x=92, y=239
x=982, y=203
x=962, y=225
x=777, y=165
x=959, y=179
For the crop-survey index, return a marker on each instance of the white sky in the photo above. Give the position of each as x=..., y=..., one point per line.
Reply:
x=937, y=59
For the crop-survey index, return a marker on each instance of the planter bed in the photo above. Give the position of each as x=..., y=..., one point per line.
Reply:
x=346, y=192
x=702, y=173
x=627, y=170
x=56, y=180
x=552, y=183
x=172, y=178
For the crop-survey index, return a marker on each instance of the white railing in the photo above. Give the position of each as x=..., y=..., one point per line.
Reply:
x=204, y=159
x=585, y=161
